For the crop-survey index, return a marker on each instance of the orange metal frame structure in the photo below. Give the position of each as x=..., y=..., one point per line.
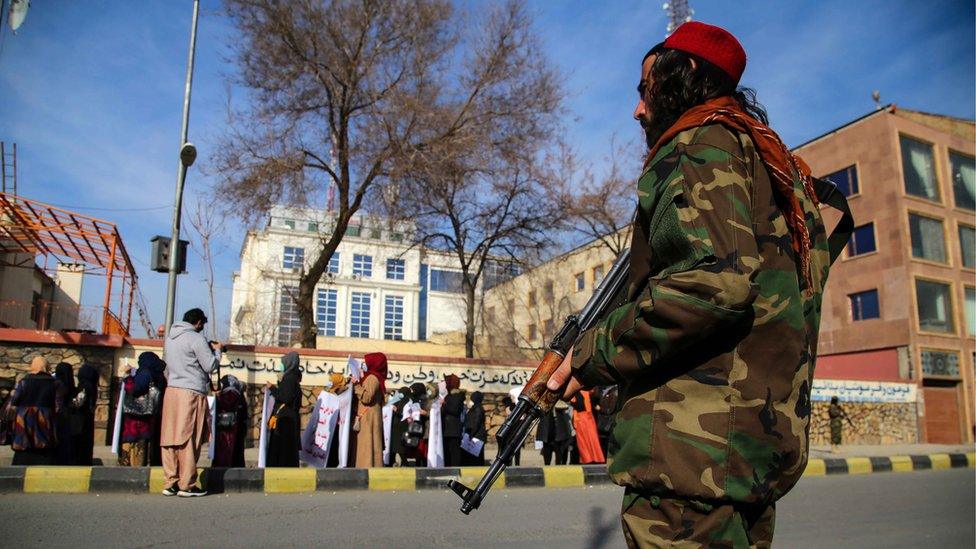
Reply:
x=31, y=227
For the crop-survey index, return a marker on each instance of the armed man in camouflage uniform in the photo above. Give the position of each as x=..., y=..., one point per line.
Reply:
x=714, y=349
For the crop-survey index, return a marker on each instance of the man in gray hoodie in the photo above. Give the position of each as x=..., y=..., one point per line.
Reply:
x=189, y=361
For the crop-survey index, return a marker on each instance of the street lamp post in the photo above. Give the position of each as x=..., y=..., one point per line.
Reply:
x=188, y=153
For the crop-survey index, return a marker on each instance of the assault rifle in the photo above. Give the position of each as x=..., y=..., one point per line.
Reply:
x=536, y=399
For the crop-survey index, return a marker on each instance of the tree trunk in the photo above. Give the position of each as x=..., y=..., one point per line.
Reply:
x=469, y=324
x=305, y=300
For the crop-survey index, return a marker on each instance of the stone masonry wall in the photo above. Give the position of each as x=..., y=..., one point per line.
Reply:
x=15, y=359
x=874, y=423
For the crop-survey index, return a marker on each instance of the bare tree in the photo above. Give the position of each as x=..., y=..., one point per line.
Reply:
x=480, y=194
x=207, y=223
x=599, y=207
x=338, y=91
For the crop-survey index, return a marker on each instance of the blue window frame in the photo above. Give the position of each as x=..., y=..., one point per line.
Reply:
x=862, y=241
x=846, y=180
x=288, y=323
x=325, y=311
x=359, y=315
x=864, y=305
x=293, y=258
x=395, y=269
x=393, y=317
x=445, y=281
x=334, y=263
x=362, y=265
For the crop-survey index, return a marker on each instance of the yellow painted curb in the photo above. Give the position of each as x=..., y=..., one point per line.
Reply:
x=470, y=476
x=815, y=468
x=288, y=480
x=402, y=478
x=563, y=476
x=858, y=466
x=901, y=464
x=62, y=480
x=940, y=461
x=157, y=480
x=971, y=458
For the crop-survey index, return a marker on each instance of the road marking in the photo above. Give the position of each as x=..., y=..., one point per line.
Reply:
x=901, y=464
x=563, y=476
x=288, y=480
x=402, y=478
x=58, y=479
x=471, y=476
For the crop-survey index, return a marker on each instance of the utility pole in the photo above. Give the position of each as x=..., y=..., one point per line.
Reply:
x=188, y=153
x=678, y=12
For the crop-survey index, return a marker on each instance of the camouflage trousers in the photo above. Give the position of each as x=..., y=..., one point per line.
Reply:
x=652, y=521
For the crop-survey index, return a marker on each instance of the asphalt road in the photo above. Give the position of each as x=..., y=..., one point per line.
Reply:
x=926, y=508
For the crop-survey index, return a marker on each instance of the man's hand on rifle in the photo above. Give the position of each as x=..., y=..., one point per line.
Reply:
x=563, y=378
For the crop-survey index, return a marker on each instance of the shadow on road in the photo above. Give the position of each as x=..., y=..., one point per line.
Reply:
x=602, y=530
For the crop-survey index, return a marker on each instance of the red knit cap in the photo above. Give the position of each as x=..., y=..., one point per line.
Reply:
x=713, y=44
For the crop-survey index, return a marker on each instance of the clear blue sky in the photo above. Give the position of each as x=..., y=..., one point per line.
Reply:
x=92, y=91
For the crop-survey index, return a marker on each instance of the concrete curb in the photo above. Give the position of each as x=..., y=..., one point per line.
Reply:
x=63, y=480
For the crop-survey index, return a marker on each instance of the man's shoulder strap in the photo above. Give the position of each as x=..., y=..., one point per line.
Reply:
x=828, y=194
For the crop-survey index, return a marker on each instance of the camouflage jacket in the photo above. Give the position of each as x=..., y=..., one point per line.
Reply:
x=714, y=350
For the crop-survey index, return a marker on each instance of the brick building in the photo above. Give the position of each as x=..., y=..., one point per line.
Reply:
x=901, y=300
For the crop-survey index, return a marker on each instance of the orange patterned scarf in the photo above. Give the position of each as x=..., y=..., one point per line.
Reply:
x=779, y=161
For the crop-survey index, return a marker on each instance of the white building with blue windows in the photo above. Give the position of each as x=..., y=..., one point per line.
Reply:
x=377, y=285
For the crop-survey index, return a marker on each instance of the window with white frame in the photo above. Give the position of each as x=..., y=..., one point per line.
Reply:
x=445, y=281
x=288, y=322
x=359, y=314
x=934, y=306
x=292, y=258
x=928, y=238
x=362, y=265
x=334, y=264
x=597, y=275
x=326, y=311
x=963, y=180
x=395, y=269
x=393, y=317
x=918, y=166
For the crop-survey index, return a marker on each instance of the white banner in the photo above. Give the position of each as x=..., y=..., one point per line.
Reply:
x=435, y=442
x=212, y=445
x=343, y=425
x=117, y=432
x=387, y=429
x=269, y=402
x=863, y=391
x=318, y=434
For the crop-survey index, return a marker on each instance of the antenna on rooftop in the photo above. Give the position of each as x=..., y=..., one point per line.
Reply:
x=876, y=96
x=678, y=12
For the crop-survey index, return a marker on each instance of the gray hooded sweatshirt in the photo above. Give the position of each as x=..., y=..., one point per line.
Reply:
x=189, y=359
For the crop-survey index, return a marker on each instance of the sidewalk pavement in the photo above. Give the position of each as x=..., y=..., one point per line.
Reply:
x=853, y=460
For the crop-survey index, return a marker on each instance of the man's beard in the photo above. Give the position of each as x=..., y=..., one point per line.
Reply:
x=655, y=128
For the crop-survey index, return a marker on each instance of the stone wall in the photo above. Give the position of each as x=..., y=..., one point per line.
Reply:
x=874, y=423
x=15, y=360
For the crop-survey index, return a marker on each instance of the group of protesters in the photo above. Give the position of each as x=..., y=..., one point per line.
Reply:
x=164, y=417
x=50, y=419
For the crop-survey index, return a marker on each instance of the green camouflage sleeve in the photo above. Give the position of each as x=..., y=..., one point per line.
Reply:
x=702, y=252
